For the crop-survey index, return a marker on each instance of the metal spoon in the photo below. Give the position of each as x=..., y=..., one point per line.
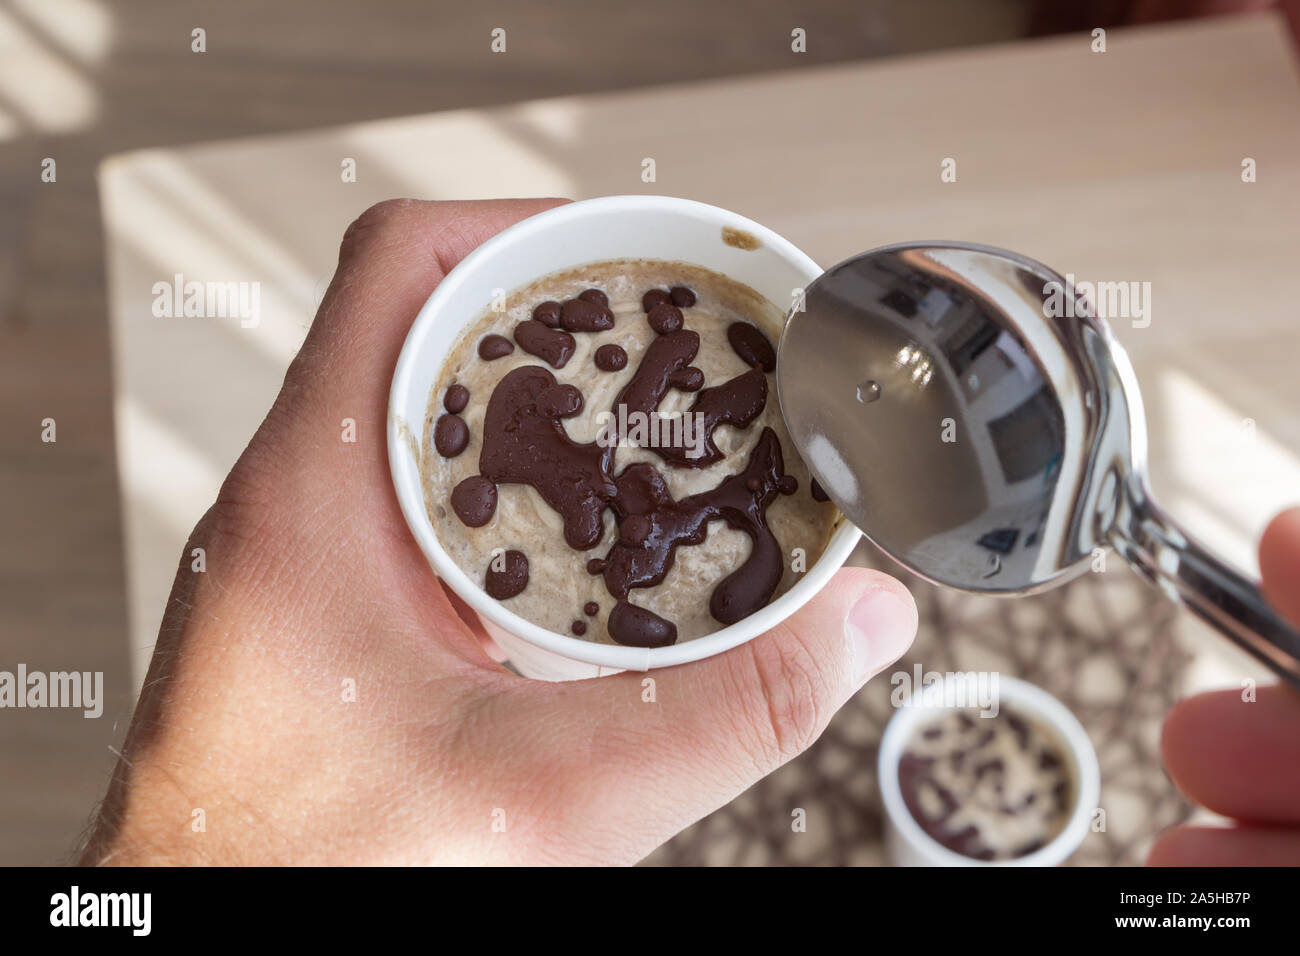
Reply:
x=960, y=406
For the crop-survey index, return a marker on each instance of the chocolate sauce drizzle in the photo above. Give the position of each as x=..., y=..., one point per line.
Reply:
x=525, y=442
x=736, y=402
x=667, y=356
x=644, y=558
x=666, y=365
x=524, y=445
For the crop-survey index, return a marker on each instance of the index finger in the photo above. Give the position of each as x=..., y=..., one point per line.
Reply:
x=1240, y=755
x=390, y=260
x=1279, y=564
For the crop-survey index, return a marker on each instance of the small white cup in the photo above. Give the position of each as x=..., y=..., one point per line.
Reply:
x=613, y=227
x=909, y=845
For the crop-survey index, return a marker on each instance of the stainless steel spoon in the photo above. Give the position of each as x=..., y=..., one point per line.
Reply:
x=962, y=407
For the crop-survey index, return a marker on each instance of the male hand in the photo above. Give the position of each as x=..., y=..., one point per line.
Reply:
x=313, y=579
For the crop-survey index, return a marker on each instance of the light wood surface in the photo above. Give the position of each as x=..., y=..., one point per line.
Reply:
x=1122, y=166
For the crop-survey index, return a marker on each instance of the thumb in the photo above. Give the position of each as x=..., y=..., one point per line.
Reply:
x=715, y=727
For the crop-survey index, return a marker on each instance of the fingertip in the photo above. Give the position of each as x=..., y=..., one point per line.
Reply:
x=1234, y=752
x=1171, y=847
x=871, y=612
x=1226, y=846
x=880, y=622
x=1284, y=528
x=851, y=584
x=1173, y=735
x=1279, y=563
x=1191, y=728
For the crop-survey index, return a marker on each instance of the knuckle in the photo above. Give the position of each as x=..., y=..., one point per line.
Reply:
x=788, y=697
x=254, y=489
x=239, y=512
x=380, y=218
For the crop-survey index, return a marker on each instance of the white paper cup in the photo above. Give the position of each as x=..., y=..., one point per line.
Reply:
x=909, y=845
x=614, y=227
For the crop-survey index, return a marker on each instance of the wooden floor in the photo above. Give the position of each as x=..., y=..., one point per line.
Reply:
x=82, y=80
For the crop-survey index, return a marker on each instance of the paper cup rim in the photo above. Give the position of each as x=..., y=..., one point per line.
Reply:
x=410, y=495
x=1033, y=702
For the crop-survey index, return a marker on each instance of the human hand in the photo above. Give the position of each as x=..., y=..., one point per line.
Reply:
x=1242, y=758
x=313, y=579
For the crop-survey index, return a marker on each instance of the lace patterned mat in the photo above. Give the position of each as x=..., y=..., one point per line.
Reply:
x=1105, y=645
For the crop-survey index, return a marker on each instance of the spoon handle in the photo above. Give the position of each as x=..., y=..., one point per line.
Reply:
x=1167, y=556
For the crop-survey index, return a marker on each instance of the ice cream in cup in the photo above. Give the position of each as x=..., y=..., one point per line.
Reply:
x=586, y=443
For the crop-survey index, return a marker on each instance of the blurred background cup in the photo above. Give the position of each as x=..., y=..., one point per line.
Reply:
x=907, y=844
x=614, y=227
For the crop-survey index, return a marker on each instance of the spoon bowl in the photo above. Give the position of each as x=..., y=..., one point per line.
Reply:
x=966, y=408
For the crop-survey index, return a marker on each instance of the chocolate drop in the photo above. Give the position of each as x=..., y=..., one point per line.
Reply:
x=456, y=399
x=591, y=608
x=510, y=581
x=682, y=297
x=450, y=435
x=637, y=627
x=586, y=315
x=611, y=358
x=594, y=295
x=550, y=345
x=474, y=500
x=818, y=493
x=548, y=313
x=665, y=318
x=751, y=345
x=494, y=346
x=654, y=297
x=689, y=379
x=579, y=627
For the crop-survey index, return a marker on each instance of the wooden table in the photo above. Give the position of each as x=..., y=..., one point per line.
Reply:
x=1116, y=166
